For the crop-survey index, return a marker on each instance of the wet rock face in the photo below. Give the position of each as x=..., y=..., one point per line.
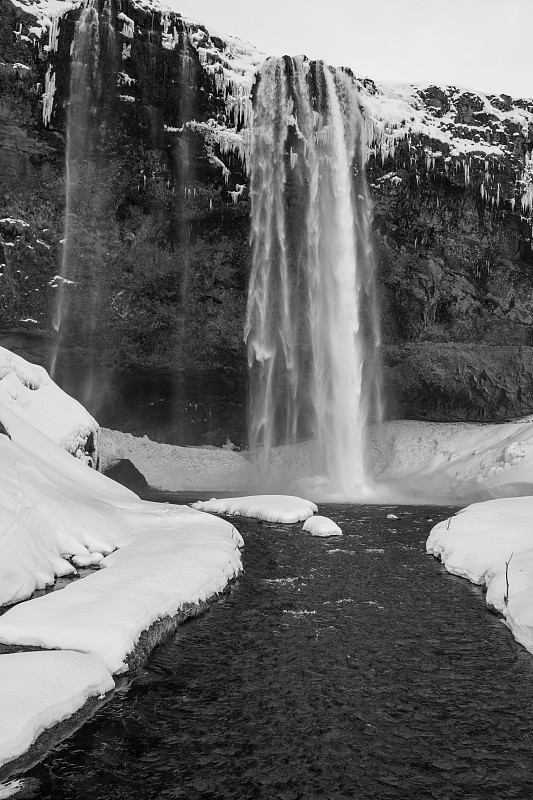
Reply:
x=444, y=382
x=159, y=254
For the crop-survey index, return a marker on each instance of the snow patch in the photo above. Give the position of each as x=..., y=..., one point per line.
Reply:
x=321, y=526
x=37, y=690
x=268, y=507
x=28, y=391
x=491, y=544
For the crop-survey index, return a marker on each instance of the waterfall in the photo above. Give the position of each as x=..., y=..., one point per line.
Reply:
x=93, y=53
x=312, y=323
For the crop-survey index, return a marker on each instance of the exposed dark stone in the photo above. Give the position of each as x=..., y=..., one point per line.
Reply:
x=127, y=474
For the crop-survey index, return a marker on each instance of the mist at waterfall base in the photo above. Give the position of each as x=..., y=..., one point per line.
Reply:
x=312, y=327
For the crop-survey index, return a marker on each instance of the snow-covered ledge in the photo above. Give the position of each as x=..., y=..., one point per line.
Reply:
x=28, y=391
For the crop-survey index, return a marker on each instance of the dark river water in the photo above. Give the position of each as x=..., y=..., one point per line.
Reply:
x=336, y=669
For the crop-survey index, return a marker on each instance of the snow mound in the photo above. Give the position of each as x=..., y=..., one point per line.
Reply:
x=491, y=543
x=54, y=508
x=452, y=462
x=37, y=690
x=321, y=526
x=28, y=391
x=172, y=468
x=269, y=507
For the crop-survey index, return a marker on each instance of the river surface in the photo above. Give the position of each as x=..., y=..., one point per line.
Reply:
x=349, y=668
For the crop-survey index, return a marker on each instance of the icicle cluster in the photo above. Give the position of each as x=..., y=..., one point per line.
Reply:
x=48, y=95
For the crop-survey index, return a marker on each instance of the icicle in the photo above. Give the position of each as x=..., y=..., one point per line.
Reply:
x=48, y=95
x=128, y=28
x=53, y=35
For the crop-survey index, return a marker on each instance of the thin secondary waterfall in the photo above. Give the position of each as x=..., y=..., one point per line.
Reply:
x=92, y=52
x=311, y=328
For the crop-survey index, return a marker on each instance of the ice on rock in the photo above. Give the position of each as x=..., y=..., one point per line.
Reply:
x=321, y=526
x=268, y=507
x=37, y=690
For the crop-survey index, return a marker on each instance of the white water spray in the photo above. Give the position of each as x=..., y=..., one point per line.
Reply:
x=311, y=325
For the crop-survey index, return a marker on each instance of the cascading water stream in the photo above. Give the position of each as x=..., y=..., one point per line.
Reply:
x=92, y=52
x=312, y=325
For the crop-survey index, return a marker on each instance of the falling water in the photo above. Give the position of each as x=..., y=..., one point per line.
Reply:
x=311, y=328
x=92, y=50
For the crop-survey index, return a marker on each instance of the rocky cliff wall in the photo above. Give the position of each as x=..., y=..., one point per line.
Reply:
x=159, y=229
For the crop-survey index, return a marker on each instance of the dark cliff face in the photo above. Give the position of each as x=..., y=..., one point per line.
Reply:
x=159, y=217
x=158, y=250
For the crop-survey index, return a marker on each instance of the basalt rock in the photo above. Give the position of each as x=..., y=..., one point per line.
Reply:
x=160, y=230
x=126, y=473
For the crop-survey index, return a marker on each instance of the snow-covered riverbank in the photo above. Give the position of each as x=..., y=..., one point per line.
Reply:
x=491, y=544
x=55, y=513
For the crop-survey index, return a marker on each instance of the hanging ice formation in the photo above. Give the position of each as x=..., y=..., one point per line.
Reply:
x=93, y=53
x=312, y=327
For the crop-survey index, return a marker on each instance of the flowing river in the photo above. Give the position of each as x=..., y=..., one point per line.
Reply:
x=349, y=668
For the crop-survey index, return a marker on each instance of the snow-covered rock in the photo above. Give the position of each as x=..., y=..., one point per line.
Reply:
x=268, y=507
x=491, y=544
x=28, y=391
x=38, y=690
x=321, y=526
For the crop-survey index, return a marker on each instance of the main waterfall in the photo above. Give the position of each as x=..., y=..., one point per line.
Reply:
x=311, y=327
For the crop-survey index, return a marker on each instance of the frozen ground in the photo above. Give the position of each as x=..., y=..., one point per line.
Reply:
x=55, y=512
x=453, y=462
x=409, y=462
x=175, y=469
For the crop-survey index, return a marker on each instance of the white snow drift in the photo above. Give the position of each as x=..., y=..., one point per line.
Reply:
x=269, y=507
x=37, y=690
x=491, y=543
x=28, y=391
x=55, y=511
x=321, y=526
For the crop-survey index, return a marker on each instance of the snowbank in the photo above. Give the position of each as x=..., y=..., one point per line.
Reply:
x=28, y=391
x=491, y=543
x=156, y=561
x=52, y=508
x=452, y=462
x=410, y=461
x=175, y=469
x=37, y=690
x=321, y=526
x=269, y=507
